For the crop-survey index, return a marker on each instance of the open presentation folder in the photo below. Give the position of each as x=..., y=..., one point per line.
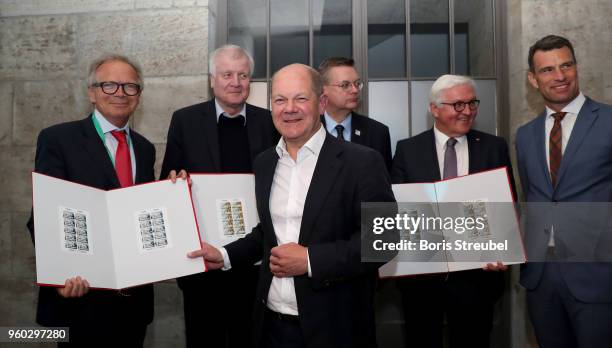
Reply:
x=486, y=194
x=225, y=206
x=115, y=239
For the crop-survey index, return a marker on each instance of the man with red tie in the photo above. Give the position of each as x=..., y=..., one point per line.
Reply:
x=103, y=152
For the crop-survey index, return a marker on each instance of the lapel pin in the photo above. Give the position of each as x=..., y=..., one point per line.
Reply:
x=357, y=132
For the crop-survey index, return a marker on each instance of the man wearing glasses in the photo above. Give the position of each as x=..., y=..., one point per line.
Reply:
x=103, y=152
x=451, y=148
x=341, y=87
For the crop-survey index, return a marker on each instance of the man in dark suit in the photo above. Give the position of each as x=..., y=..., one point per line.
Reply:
x=313, y=290
x=103, y=152
x=565, y=158
x=341, y=87
x=222, y=135
x=451, y=148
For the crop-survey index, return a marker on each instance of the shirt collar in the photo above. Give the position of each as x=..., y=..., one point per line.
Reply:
x=330, y=123
x=106, y=126
x=572, y=108
x=442, y=138
x=219, y=110
x=314, y=144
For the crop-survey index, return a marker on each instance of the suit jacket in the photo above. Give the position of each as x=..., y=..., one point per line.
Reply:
x=193, y=138
x=73, y=151
x=585, y=175
x=416, y=161
x=336, y=304
x=371, y=133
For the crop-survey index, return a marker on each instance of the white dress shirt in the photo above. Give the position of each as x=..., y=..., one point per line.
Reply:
x=219, y=111
x=567, y=125
x=112, y=143
x=461, y=149
x=287, y=197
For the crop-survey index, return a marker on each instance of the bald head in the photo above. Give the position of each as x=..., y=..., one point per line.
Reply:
x=296, y=104
x=292, y=69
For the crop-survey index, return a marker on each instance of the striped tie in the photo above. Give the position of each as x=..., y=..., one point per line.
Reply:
x=554, y=147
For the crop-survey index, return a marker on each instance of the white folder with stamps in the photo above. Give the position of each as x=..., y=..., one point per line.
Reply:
x=225, y=206
x=486, y=195
x=115, y=239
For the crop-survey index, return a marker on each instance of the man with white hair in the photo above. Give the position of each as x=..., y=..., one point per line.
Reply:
x=222, y=135
x=450, y=149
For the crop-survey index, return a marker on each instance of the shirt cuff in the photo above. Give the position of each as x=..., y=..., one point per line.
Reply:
x=308, y=259
x=226, y=261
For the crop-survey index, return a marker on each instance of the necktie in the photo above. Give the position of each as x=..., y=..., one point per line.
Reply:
x=554, y=146
x=123, y=162
x=340, y=130
x=450, y=159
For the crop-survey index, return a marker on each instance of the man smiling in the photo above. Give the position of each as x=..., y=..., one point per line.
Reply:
x=313, y=289
x=451, y=148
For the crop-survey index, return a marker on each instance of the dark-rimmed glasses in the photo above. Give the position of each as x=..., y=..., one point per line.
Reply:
x=346, y=85
x=111, y=87
x=460, y=105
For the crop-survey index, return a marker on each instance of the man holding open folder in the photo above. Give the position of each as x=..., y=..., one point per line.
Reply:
x=450, y=149
x=313, y=289
x=99, y=151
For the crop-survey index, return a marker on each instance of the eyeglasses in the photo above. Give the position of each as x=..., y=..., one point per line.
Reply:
x=346, y=85
x=460, y=105
x=111, y=87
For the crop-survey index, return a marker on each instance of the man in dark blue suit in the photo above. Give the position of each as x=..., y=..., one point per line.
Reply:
x=341, y=87
x=99, y=151
x=565, y=157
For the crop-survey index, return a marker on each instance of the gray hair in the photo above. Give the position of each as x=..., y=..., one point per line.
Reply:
x=236, y=52
x=445, y=82
x=91, y=77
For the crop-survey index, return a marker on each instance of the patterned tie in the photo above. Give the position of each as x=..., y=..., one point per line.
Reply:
x=554, y=147
x=123, y=162
x=450, y=159
x=340, y=130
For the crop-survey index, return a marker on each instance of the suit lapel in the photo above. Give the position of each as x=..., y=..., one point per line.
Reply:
x=476, y=158
x=210, y=131
x=539, y=137
x=328, y=166
x=263, y=187
x=584, y=121
x=139, y=154
x=98, y=153
x=431, y=157
x=358, y=135
x=253, y=132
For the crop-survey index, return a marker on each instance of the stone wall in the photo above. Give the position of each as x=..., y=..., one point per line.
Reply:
x=45, y=51
x=586, y=24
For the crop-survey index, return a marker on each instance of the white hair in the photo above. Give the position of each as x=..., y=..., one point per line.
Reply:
x=235, y=52
x=445, y=82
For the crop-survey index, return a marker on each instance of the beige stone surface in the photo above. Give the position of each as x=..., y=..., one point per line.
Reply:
x=37, y=47
x=161, y=97
x=24, y=260
x=40, y=104
x=163, y=42
x=15, y=179
x=45, y=7
x=6, y=112
x=6, y=259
